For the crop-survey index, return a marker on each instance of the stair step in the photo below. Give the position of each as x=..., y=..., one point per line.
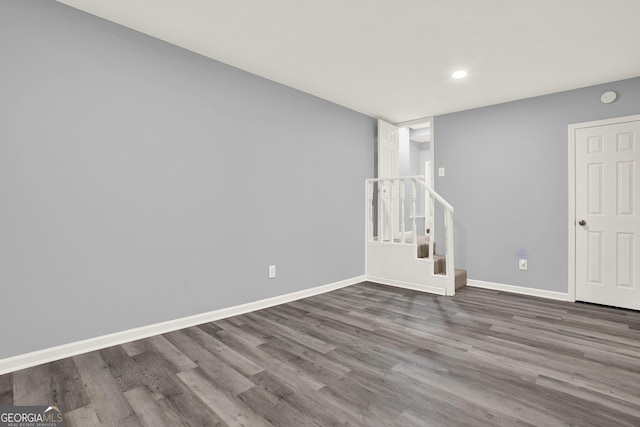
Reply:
x=461, y=278
x=423, y=245
x=440, y=267
x=439, y=264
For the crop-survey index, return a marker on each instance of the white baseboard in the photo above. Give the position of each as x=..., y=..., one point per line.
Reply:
x=27, y=360
x=405, y=285
x=561, y=296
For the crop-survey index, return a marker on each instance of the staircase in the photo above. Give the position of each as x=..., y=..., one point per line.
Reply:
x=440, y=263
x=398, y=257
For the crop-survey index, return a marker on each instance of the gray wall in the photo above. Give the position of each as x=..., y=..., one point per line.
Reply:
x=140, y=182
x=506, y=176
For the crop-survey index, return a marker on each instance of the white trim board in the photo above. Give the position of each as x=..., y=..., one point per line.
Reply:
x=27, y=360
x=560, y=296
x=405, y=285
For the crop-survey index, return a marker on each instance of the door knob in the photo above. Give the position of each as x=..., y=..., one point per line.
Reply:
x=582, y=222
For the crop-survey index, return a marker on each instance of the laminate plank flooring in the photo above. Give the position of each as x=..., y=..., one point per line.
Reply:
x=365, y=355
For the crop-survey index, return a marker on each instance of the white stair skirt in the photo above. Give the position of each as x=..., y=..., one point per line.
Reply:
x=397, y=264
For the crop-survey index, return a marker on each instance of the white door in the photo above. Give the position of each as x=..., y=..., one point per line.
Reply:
x=607, y=235
x=388, y=167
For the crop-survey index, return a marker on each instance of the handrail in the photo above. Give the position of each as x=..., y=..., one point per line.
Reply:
x=420, y=180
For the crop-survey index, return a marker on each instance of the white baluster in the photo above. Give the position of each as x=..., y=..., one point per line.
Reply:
x=451, y=275
x=370, y=209
x=431, y=225
x=402, y=190
x=445, y=226
x=392, y=211
x=431, y=217
x=413, y=211
x=380, y=211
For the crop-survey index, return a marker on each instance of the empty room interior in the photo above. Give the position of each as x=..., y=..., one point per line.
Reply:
x=301, y=213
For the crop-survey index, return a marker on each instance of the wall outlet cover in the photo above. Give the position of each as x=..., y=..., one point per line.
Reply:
x=272, y=272
x=522, y=264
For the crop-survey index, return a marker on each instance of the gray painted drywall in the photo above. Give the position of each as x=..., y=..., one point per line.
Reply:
x=415, y=150
x=425, y=155
x=405, y=156
x=140, y=182
x=507, y=176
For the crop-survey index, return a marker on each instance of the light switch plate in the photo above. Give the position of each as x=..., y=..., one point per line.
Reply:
x=440, y=171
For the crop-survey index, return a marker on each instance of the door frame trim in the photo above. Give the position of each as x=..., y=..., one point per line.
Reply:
x=571, y=288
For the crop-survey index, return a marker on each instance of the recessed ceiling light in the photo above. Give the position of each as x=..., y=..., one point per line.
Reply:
x=460, y=74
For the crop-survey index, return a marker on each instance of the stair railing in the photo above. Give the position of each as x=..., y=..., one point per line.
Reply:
x=387, y=202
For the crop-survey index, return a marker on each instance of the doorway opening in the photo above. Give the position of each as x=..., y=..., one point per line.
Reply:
x=415, y=156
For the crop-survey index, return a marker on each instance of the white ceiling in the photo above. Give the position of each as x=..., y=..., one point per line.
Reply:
x=393, y=59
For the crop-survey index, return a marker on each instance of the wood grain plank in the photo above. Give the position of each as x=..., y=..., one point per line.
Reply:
x=230, y=327
x=176, y=398
x=149, y=411
x=67, y=389
x=124, y=370
x=82, y=417
x=307, y=401
x=288, y=373
x=229, y=408
x=177, y=358
x=608, y=401
x=235, y=359
x=135, y=347
x=291, y=333
x=496, y=401
x=226, y=377
x=273, y=409
x=6, y=389
x=32, y=386
x=106, y=396
x=289, y=350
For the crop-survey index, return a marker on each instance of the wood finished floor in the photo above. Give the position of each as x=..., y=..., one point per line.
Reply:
x=365, y=355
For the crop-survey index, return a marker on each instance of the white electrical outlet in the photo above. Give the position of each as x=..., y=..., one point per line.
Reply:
x=272, y=272
x=522, y=263
x=440, y=171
